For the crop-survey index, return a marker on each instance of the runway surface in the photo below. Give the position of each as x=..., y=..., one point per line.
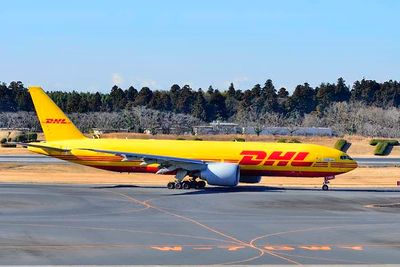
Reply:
x=63, y=224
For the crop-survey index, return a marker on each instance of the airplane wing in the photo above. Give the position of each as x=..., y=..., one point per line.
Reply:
x=167, y=164
x=43, y=147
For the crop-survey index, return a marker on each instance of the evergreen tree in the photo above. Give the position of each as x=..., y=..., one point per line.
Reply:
x=73, y=102
x=216, y=107
x=118, y=98
x=365, y=91
x=283, y=93
x=231, y=91
x=7, y=98
x=184, y=100
x=144, y=96
x=131, y=94
x=303, y=99
x=269, y=97
x=199, y=106
x=160, y=101
x=94, y=102
x=174, y=94
x=231, y=101
x=342, y=91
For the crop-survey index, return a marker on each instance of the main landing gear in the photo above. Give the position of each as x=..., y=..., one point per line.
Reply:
x=187, y=184
x=325, y=186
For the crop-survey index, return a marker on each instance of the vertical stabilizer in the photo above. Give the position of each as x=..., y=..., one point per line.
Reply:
x=55, y=124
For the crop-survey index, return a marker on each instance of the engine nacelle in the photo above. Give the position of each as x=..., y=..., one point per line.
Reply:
x=223, y=174
x=250, y=179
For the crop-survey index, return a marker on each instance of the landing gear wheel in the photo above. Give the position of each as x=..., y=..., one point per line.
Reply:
x=200, y=185
x=171, y=185
x=178, y=185
x=325, y=187
x=186, y=185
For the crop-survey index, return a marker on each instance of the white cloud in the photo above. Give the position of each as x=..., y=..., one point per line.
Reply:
x=148, y=83
x=152, y=84
x=117, y=79
x=237, y=81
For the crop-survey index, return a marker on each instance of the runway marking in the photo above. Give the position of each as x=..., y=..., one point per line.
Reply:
x=357, y=248
x=203, y=248
x=314, y=248
x=240, y=242
x=117, y=230
x=232, y=248
x=253, y=241
x=279, y=248
x=177, y=248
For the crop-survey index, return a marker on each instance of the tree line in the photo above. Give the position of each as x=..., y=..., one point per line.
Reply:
x=232, y=104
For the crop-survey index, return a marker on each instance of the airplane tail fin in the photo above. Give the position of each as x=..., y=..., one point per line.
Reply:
x=55, y=124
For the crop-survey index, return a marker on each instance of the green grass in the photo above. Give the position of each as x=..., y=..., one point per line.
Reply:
x=285, y=140
x=383, y=146
x=341, y=144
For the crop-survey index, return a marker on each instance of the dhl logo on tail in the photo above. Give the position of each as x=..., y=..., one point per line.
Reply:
x=56, y=121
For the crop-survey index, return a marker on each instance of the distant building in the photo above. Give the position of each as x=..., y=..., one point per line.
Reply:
x=302, y=131
x=111, y=130
x=217, y=127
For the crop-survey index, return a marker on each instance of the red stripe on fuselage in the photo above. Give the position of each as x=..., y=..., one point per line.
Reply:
x=301, y=163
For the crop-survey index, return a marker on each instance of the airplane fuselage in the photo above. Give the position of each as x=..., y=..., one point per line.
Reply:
x=254, y=158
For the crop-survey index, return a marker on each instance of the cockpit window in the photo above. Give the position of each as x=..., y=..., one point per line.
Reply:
x=345, y=157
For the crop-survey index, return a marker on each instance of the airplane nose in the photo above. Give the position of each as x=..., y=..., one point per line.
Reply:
x=355, y=164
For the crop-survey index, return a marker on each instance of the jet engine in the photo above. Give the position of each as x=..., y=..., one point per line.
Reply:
x=223, y=174
x=250, y=179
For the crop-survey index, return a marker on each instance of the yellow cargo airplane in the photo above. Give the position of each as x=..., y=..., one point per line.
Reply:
x=193, y=162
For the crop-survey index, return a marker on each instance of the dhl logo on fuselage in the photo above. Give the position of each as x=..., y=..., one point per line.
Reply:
x=56, y=121
x=259, y=157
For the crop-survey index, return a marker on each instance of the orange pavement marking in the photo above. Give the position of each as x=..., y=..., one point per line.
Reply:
x=359, y=248
x=177, y=248
x=279, y=248
x=262, y=252
x=232, y=248
x=317, y=248
x=205, y=248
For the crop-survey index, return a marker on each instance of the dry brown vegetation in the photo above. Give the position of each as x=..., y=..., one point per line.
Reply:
x=77, y=174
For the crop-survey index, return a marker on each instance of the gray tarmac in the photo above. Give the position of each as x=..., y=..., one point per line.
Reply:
x=71, y=224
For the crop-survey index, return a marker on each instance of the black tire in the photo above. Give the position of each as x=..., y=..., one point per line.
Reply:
x=186, y=185
x=178, y=186
x=171, y=185
x=325, y=187
x=201, y=184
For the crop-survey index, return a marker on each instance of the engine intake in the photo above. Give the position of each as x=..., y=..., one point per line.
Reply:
x=223, y=174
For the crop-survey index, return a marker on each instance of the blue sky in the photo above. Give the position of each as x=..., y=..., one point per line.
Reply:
x=90, y=45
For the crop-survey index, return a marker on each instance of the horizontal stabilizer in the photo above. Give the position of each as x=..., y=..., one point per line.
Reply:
x=43, y=147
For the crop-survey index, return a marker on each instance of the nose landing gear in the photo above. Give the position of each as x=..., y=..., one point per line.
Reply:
x=325, y=186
